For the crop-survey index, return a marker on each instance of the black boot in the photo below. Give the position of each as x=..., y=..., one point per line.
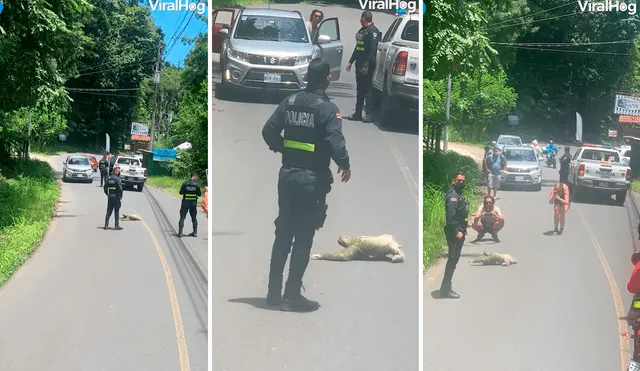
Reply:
x=367, y=119
x=274, y=297
x=180, y=232
x=293, y=301
x=447, y=293
x=194, y=233
x=106, y=226
x=355, y=117
x=118, y=227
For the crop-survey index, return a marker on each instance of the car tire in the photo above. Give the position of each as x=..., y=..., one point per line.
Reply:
x=376, y=98
x=140, y=187
x=621, y=197
x=575, y=194
x=537, y=187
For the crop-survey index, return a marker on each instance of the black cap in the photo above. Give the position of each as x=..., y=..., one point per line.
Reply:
x=318, y=71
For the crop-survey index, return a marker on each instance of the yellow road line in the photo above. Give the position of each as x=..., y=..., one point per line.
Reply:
x=404, y=168
x=617, y=298
x=175, y=307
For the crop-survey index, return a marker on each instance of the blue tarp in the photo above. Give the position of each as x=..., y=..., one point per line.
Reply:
x=164, y=154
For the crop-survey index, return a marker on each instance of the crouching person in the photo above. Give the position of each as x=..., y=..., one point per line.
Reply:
x=488, y=219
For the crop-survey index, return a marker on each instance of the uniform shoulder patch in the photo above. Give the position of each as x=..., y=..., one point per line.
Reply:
x=338, y=116
x=375, y=34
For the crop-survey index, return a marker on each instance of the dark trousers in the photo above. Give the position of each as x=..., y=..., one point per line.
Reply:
x=299, y=206
x=564, y=176
x=191, y=208
x=455, y=249
x=364, y=84
x=103, y=177
x=113, y=206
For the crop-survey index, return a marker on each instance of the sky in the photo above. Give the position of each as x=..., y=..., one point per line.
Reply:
x=169, y=21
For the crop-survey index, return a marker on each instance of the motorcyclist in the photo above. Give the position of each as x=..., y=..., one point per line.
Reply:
x=550, y=148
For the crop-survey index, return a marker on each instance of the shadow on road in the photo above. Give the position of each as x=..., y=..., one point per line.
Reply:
x=404, y=123
x=549, y=233
x=66, y=216
x=227, y=233
x=260, y=97
x=260, y=303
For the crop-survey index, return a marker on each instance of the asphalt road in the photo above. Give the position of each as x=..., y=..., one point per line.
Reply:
x=554, y=310
x=91, y=299
x=369, y=315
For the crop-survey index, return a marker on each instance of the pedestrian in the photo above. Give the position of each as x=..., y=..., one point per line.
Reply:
x=314, y=21
x=190, y=192
x=565, y=161
x=312, y=127
x=488, y=219
x=559, y=198
x=103, y=165
x=113, y=190
x=364, y=55
x=495, y=163
x=455, y=231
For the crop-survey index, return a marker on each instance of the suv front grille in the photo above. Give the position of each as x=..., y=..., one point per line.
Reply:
x=271, y=61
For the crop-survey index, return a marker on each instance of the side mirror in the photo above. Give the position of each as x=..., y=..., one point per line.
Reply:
x=223, y=32
x=64, y=162
x=324, y=39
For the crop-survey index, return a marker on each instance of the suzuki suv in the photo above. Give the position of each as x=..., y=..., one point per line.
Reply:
x=272, y=49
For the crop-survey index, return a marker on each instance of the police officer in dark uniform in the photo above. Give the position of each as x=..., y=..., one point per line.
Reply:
x=312, y=136
x=190, y=192
x=113, y=190
x=455, y=230
x=103, y=166
x=565, y=162
x=364, y=55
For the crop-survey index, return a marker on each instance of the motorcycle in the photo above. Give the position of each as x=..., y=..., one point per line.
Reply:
x=633, y=320
x=551, y=159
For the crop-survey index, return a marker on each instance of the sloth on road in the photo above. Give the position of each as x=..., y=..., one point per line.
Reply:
x=365, y=248
x=130, y=217
x=495, y=259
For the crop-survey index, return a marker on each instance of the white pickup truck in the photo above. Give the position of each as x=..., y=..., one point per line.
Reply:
x=396, y=79
x=600, y=170
x=131, y=171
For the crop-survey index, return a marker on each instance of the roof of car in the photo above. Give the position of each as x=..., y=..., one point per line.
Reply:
x=271, y=12
x=517, y=147
x=508, y=136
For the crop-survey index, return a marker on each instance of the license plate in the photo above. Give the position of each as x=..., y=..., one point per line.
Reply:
x=274, y=78
x=76, y=175
x=602, y=184
x=634, y=366
x=605, y=174
x=519, y=179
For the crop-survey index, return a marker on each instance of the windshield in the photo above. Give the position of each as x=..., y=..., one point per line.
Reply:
x=627, y=154
x=77, y=161
x=267, y=28
x=523, y=154
x=510, y=141
x=411, y=31
x=598, y=155
x=128, y=161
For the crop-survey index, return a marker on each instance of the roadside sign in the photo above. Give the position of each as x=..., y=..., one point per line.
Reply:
x=127, y=147
x=626, y=105
x=164, y=154
x=513, y=120
x=613, y=133
x=62, y=137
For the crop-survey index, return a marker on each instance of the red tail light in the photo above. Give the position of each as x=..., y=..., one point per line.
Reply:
x=145, y=172
x=400, y=64
x=581, y=170
x=629, y=175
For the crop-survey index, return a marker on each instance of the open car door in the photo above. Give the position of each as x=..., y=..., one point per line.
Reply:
x=328, y=41
x=220, y=18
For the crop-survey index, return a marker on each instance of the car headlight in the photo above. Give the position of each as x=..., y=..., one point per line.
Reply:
x=536, y=169
x=306, y=59
x=233, y=54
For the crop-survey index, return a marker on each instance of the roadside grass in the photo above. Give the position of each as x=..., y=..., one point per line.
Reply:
x=635, y=185
x=170, y=184
x=438, y=171
x=29, y=194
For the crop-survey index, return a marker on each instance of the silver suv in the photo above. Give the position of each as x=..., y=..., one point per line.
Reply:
x=272, y=49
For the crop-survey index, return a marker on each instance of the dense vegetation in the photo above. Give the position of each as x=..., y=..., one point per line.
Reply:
x=85, y=68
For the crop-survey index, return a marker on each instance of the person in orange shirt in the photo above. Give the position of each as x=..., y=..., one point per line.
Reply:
x=205, y=201
x=559, y=198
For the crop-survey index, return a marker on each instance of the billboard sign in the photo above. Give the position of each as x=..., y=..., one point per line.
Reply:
x=164, y=154
x=626, y=105
x=138, y=128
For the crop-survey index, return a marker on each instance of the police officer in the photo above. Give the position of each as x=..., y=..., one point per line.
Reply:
x=364, y=55
x=103, y=165
x=190, y=192
x=312, y=136
x=113, y=190
x=565, y=162
x=455, y=230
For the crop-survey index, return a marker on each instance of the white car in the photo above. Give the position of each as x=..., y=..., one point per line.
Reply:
x=523, y=168
x=508, y=140
x=625, y=154
x=77, y=167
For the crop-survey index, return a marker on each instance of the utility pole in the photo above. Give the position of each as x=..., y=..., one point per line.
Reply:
x=156, y=83
x=29, y=134
x=446, y=127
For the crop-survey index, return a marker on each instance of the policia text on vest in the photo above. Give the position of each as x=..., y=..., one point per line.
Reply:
x=190, y=192
x=306, y=129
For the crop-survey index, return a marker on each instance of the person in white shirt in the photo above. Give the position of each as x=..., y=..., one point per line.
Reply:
x=314, y=20
x=538, y=149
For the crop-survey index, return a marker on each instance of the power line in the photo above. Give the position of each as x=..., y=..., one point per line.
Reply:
x=109, y=61
x=104, y=94
x=535, y=21
x=565, y=44
x=99, y=90
x=566, y=51
x=115, y=68
x=532, y=14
